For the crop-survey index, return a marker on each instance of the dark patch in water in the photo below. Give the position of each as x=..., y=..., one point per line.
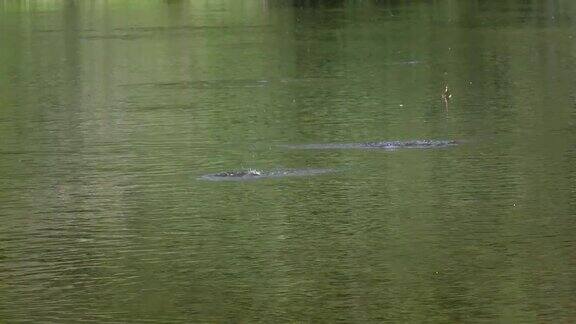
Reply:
x=45, y=31
x=204, y=84
x=405, y=63
x=222, y=84
x=111, y=37
x=186, y=27
x=392, y=145
x=244, y=175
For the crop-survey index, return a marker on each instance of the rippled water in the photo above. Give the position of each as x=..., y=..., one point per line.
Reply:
x=112, y=112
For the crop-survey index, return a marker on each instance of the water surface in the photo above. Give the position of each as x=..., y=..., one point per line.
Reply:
x=112, y=111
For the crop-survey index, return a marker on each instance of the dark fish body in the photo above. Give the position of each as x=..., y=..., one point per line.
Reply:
x=243, y=175
x=239, y=174
x=391, y=145
x=410, y=144
x=250, y=174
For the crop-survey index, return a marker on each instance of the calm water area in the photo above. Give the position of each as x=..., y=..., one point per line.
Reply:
x=113, y=112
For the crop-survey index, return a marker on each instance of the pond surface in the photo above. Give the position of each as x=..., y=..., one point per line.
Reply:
x=111, y=112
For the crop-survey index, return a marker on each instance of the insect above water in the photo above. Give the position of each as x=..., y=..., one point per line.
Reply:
x=446, y=95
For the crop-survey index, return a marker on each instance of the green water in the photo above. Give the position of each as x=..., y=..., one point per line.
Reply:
x=111, y=112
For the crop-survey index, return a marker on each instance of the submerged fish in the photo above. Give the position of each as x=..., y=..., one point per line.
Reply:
x=257, y=174
x=391, y=145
